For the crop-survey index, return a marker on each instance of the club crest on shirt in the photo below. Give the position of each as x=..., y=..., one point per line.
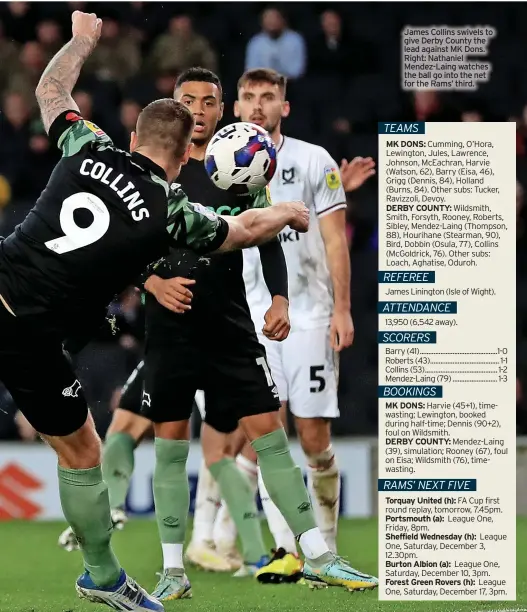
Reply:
x=288, y=176
x=332, y=177
x=202, y=210
x=93, y=128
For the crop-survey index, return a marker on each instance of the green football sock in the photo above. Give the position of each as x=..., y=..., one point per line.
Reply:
x=118, y=466
x=84, y=499
x=236, y=491
x=284, y=482
x=171, y=490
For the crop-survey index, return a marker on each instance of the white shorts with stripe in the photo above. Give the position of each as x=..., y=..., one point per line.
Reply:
x=305, y=370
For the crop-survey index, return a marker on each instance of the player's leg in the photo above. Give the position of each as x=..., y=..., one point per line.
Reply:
x=285, y=565
x=125, y=433
x=323, y=475
x=167, y=370
x=201, y=550
x=285, y=484
x=282, y=534
x=284, y=481
x=235, y=488
x=208, y=500
x=172, y=498
x=37, y=375
x=126, y=430
x=284, y=539
x=312, y=369
x=225, y=531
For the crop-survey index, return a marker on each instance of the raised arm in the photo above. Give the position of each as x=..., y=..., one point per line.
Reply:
x=54, y=89
x=192, y=226
x=258, y=225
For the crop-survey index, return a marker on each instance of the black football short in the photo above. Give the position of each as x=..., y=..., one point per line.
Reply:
x=236, y=384
x=39, y=376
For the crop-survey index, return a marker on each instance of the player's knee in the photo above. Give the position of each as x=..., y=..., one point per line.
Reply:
x=175, y=430
x=249, y=453
x=258, y=425
x=213, y=455
x=283, y=415
x=323, y=460
x=314, y=435
x=129, y=423
x=80, y=450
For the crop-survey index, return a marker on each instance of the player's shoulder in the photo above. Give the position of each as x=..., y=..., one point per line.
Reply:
x=178, y=201
x=306, y=150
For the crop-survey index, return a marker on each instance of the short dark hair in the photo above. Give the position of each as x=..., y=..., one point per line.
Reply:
x=200, y=75
x=263, y=75
x=165, y=124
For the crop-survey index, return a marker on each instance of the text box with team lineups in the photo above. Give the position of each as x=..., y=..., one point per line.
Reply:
x=447, y=361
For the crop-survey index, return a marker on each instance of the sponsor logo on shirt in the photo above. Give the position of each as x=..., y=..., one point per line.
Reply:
x=332, y=177
x=94, y=128
x=226, y=210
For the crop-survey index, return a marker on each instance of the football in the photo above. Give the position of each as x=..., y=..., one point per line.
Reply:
x=241, y=158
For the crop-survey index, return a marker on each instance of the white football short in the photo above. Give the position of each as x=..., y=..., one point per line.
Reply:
x=305, y=370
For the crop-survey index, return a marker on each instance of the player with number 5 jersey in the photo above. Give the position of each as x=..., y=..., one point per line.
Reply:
x=100, y=221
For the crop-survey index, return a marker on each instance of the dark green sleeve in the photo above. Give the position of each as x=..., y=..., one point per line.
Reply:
x=70, y=133
x=262, y=198
x=193, y=226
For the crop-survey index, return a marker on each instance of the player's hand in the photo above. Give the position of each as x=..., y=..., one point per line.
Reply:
x=87, y=25
x=172, y=293
x=342, y=331
x=277, y=324
x=299, y=216
x=356, y=172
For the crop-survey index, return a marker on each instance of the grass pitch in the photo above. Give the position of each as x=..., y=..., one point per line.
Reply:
x=37, y=576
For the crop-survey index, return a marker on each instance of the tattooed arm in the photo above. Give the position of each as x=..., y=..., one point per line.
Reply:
x=53, y=92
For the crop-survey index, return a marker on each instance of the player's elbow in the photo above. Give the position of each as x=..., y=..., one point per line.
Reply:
x=239, y=236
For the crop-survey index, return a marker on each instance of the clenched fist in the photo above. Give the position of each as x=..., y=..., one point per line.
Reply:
x=299, y=216
x=87, y=25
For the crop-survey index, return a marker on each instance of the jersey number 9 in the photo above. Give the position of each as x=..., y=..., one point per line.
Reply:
x=76, y=237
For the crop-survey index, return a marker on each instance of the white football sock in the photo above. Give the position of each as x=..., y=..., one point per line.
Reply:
x=225, y=532
x=249, y=468
x=207, y=504
x=172, y=556
x=280, y=530
x=313, y=544
x=324, y=489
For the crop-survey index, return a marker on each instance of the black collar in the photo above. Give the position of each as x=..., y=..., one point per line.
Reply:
x=146, y=162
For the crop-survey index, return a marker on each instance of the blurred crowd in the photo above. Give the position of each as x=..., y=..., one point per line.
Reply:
x=342, y=61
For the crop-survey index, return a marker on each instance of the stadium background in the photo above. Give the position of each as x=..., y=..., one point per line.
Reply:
x=342, y=61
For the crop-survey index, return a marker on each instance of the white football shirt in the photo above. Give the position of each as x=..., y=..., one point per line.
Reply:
x=307, y=173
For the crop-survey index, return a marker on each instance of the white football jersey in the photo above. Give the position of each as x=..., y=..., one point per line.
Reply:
x=307, y=173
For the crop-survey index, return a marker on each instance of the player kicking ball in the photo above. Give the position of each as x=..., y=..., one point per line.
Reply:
x=305, y=365
x=100, y=221
x=185, y=352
